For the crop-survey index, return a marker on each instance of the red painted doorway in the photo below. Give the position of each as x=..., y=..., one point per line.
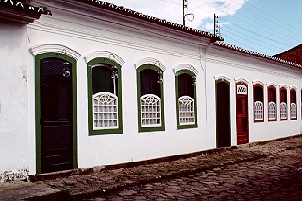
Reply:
x=242, y=113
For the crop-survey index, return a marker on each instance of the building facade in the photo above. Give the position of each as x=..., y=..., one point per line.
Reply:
x=97, y=84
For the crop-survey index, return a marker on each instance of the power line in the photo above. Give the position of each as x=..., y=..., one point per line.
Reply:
x=245, y=22
x=255, y=33
x=271, y=16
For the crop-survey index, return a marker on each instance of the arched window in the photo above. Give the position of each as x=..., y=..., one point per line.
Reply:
x=272, y=107
x=258, y=103
x=283, y=103
x=104, y=97
x=185, y=99
x=293, y=104
x=150, y=98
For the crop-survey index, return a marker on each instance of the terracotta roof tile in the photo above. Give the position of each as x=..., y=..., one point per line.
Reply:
x=151, y=19
x=293, y=55
x=273, y=58
x=23, y=7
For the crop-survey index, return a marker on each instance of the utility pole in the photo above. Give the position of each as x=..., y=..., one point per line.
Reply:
x=184, y=5
x=216, y=26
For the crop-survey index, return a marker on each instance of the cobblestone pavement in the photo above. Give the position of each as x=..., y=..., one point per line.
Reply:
x=257, y=171
x=278, y=176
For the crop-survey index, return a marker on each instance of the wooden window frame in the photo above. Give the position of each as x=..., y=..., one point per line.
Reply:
x=274, y=101
x=254, y=101
x=191, y=125
x=119, y=130
x=293, y=100
x=285, y=99
x=138, y=78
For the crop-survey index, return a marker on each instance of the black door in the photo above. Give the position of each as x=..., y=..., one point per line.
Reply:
x=223, y=130
x=56, y=115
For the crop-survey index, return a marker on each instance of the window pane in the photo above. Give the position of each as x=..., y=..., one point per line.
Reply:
x=150, y=82
x=283, y=96
x=258, y=93
x=185, y=85
x=102, y=79
x=272, y=95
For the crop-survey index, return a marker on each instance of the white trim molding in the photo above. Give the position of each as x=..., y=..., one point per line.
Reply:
x=258, y=82
x=222, y=77
x=241, y=80
x=283, y=85
x=187, y=67
x=150, y=60
x=292, y=87
x=54, y=48
x=104, y=54
x=271, y=84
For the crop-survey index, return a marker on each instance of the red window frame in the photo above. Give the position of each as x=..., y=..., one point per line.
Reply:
x=271, y=97
x=283, y=98
x=261, y=98
x=293, y=99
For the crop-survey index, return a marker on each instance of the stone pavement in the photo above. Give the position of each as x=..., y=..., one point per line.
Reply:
x=258, y=171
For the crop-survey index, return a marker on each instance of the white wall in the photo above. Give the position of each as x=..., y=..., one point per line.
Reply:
x=13, y=99
x=85, y=36
x=234, y=66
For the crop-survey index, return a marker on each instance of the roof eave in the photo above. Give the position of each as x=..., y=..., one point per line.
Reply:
x=15, y=15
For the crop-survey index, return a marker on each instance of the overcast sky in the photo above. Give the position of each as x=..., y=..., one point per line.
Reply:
x=265, y=26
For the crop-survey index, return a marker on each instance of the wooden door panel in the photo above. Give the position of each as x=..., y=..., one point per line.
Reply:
x=56, y=115
x=242, y=118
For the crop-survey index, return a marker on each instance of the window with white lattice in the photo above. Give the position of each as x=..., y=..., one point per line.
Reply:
x=293, y=105
x=272, y=111
x=186, y=110
x=150, y=110
x=283, y=111
x=185, y=99
x=104, y=92
x=272, y=107
x=258, y=103
x=293, y=111
x=258, y=108
x=283, y=103
x=150, y=98
x=105, y=110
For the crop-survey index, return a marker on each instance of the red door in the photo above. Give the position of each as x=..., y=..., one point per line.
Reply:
x=242, y=113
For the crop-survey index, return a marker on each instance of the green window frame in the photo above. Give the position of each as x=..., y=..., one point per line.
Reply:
x=188, y=92
x=158, y=93
x=105, y=62
x=73, y=62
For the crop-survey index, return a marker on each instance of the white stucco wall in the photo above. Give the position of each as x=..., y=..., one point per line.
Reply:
x=13, y=100
x=237, y=65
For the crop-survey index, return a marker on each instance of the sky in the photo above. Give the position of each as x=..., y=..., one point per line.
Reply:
x=265, y=26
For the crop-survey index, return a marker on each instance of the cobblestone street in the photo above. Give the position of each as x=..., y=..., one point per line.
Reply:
x=270, y=170
x=275, y=177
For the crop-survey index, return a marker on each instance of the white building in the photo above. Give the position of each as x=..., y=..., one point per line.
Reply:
x=96, y=84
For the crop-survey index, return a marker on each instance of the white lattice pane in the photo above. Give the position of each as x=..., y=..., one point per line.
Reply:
x=272, y=111
x=150, y=110
x=241, y=89
x=105, y=110
x=258, y=108
x=293, y=110
x=186, y=110
x=283, y=110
